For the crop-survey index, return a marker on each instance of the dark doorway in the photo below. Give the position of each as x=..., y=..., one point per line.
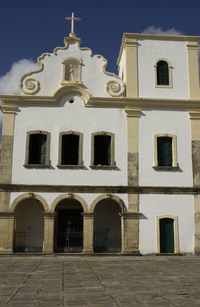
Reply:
x=69, y=227
x=166, y=235
x=107, y=227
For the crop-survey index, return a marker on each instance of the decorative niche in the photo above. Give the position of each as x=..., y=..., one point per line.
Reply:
x=72, y=71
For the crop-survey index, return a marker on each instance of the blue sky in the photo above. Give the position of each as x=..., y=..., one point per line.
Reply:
x=29, y=28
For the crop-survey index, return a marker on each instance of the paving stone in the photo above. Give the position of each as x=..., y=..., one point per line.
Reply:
x=99, y=281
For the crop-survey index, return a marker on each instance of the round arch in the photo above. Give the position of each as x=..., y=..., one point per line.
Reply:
x=75, y=90
x=69, y=196
x=29, y=196
x=108, y=196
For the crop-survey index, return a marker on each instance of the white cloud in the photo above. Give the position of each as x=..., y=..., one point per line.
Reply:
x=9, y=83
x=159, y=31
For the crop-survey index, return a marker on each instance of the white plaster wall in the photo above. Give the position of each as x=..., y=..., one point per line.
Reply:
x=122, y=66
x=163, y=121
x=175, y=51
x=151, y=206
x=87, y=197
x=74, y=117
x=93, y=77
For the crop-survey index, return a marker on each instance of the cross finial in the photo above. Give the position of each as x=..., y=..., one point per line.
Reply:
x=72, y=21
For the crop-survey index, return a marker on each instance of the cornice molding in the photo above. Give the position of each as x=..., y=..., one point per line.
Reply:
x=194, y=115
x=101, y=102
x=108, y=190
x=132, y=112
x=9, y=108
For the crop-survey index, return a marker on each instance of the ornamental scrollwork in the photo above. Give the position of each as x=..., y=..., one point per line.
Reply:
x=114, y=88
x=30, y=86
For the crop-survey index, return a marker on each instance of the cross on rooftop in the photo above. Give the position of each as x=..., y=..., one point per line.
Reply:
x=73, y=18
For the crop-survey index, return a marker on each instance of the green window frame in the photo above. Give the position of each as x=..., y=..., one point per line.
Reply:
x=37, y=149
x=165, y=152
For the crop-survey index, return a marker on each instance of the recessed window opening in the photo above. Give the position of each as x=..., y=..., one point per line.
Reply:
x=37, y=149
x=70, y=149
x=164, y=147
x=102, y=150
x=162, y=73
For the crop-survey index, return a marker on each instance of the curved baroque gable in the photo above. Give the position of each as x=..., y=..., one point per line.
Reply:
x=72, y=66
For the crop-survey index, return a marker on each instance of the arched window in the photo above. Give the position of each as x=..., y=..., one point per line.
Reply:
x=163, y=73
x=70, y=149
x=102, y=155
x=37, y=149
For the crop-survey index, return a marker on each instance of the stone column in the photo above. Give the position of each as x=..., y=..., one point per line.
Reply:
x=48, y=247
x=6, y=232
x=88, y=222
x=130, y=237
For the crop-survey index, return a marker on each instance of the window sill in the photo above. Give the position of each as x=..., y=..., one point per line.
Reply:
x=37, y=165
x=109, y=167
x=166, y=168
x=163, y=86
x=70, y=166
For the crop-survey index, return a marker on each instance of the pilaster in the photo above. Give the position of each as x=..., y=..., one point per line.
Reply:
x=6, y=232
x=131, y=72
x=130, y=238
x=88, y=224
x=195, y=136
x=48, y=246
x=193, y=69
x=8, y=121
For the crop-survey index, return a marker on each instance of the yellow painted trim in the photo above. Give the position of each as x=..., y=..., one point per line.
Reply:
x=195, y=125
x=47, y=158
x=108, y=196
x=103, y=102
x=69, y=196
x=170, y=85
x=174, y=148
x=29, y=196
x=112, y=147
x=193, y=69
x=80, y=149
x=176, y=237
x=131, y=67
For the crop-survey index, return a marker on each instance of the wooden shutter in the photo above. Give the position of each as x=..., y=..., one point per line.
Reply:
x=42, y=148
x=37, y=148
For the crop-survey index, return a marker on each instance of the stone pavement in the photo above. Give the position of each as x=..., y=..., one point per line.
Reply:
x=98, y=281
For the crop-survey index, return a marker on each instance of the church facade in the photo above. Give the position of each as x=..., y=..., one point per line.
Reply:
x=93, y=162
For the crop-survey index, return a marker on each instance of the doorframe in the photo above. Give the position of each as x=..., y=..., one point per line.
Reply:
x=176, y=240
